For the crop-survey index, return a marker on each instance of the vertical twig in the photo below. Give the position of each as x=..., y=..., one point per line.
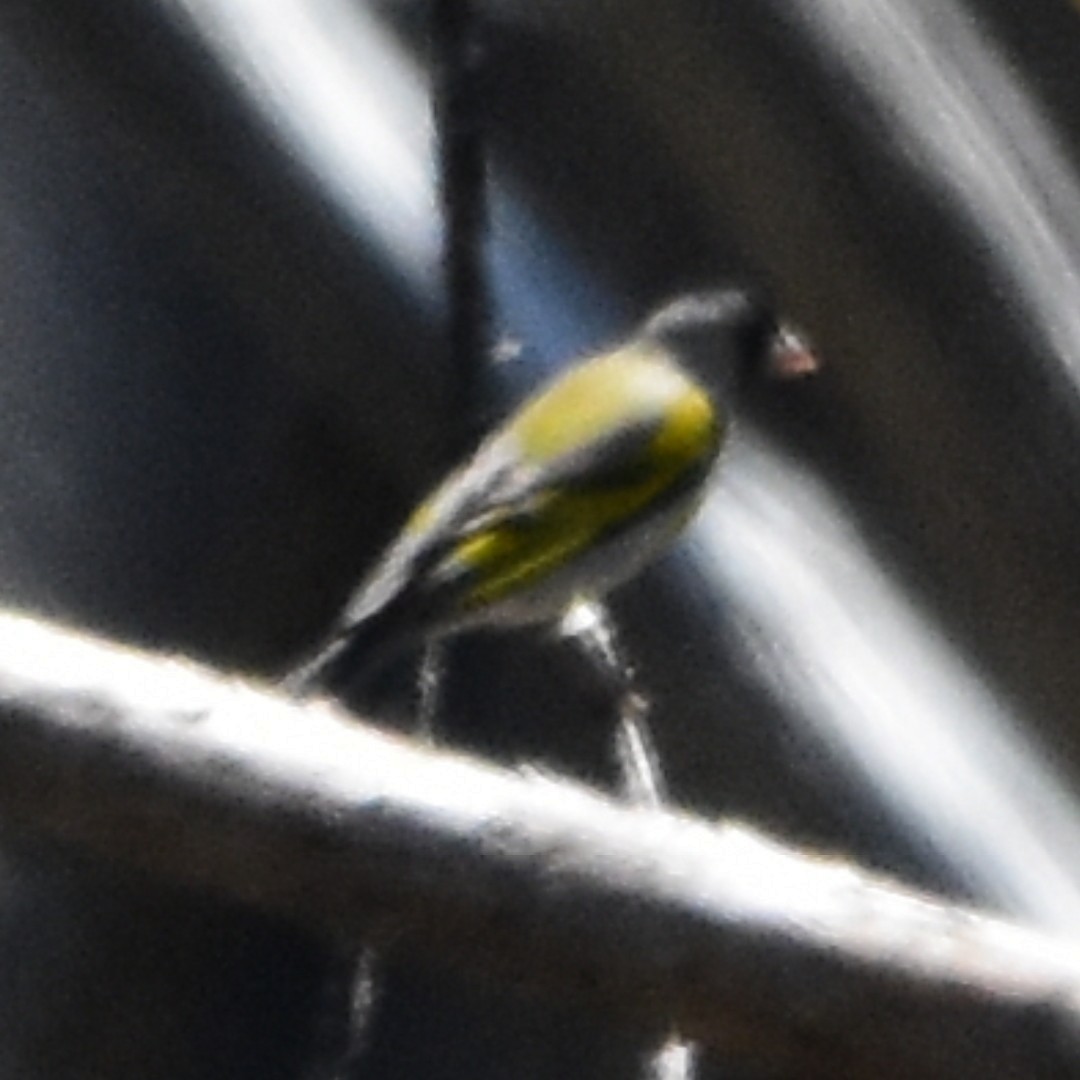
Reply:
x=350, y=993
x=463, y=198
x=462, y=171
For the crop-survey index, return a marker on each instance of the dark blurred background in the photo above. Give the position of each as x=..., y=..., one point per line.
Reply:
x=225, y=379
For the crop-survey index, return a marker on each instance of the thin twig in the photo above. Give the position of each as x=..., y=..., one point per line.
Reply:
x=458, y=114
x=456, y=104
x=351, y=993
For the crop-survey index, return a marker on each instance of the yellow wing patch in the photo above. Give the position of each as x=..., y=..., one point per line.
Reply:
x=622, y=387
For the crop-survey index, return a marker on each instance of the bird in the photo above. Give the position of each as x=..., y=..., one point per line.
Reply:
x=587, y=481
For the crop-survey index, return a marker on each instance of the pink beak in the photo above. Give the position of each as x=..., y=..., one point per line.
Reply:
x=790, y=356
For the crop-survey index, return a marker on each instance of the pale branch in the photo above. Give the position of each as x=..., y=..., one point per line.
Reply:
x=730, y=938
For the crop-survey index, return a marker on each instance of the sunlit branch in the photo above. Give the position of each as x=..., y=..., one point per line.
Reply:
x=647, y=915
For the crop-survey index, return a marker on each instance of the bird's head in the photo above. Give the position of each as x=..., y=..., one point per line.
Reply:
x=729, y=338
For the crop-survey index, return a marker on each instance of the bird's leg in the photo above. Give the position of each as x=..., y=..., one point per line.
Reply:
x=429, y=682
x=589, y=625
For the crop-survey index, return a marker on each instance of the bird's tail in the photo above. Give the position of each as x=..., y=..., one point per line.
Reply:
x=347, y=659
